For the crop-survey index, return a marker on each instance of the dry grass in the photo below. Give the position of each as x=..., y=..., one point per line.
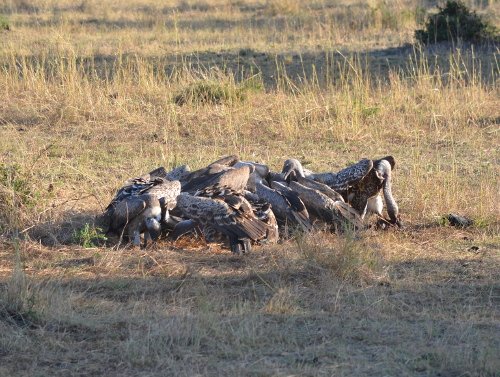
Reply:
x=88, y=101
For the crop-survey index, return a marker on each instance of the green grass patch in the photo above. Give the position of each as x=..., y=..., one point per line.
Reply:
x=211, y=93
x=89, y=236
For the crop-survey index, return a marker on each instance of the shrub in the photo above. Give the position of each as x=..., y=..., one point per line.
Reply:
x=89, y=236
x=209, y=93
x=4, y=23
x=455, y=21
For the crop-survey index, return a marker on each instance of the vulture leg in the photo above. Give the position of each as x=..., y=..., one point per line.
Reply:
x=136, y=236
x=236, y=246
x=247, y=245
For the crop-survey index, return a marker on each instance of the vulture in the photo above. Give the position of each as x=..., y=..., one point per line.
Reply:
x=245, y=200
x=166, y=192
x=234, y=178
x=286, y=205
x=155, y=184
x=135, y=215
x=259, y=174
x=160, y=172
x=179, y=174
x=359, y=185
x=229, y=213
x=365, y=194
x=214, y=168
x=222, y=172
x=337, y=181
x=334, y=212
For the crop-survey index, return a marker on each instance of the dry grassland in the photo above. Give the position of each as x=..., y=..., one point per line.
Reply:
x=88, y=92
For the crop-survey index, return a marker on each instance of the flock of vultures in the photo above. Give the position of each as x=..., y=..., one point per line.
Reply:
x=249, y=203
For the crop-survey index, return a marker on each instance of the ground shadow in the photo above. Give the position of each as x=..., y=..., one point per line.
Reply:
x=296, y=319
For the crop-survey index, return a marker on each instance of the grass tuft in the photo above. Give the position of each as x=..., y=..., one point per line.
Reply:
x=19, y=301
x=17, y=198
x=344, y=256
x=4, y=23
x=210, y=93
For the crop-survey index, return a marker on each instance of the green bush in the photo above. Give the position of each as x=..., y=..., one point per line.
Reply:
x=209, y=93
x=89, y=236
x=455, y=21
x=4, y=23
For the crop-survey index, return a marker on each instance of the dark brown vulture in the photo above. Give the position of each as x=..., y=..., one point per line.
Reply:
x=360, y=185
x=336, y=213
x=135, y=215
x=230, y=214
